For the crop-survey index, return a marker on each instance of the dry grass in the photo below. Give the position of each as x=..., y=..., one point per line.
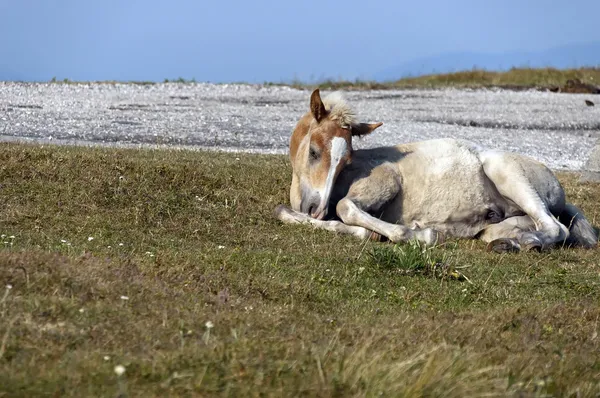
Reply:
x=183, y=238
x=515, y=78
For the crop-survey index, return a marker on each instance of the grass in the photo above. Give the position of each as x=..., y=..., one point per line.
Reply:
x=514, y=79
x=170, y=264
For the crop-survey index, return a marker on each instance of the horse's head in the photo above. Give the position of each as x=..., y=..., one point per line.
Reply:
x=321, y=146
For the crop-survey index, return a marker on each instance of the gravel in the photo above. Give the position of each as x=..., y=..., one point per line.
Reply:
x=592, y=167
x=557, y=129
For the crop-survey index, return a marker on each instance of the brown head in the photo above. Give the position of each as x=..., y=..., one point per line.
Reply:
x=321, y=146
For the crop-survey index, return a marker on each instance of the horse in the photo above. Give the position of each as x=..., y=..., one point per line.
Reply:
x=427, y=191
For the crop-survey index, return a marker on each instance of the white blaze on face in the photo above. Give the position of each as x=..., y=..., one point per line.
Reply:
x=339, y=148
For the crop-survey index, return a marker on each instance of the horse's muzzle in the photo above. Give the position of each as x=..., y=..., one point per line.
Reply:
x=315, y=211
x=313, y=207
x=310, y=204
x=319, y=214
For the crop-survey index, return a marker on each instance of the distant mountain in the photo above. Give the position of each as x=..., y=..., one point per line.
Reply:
x=572, y=56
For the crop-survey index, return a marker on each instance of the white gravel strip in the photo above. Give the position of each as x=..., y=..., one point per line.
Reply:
x=558, y=129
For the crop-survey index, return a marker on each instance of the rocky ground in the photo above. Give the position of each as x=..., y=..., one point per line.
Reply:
x=558, y=129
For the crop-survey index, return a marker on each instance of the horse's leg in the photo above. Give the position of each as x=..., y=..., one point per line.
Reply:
x=370, y=195
x=290, y=216
x=507, y=236
x=521, y=187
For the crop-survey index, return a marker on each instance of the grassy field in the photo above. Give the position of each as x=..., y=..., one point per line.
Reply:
x=170, y=264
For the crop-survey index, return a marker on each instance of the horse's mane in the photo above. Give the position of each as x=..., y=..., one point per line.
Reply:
x=339, y=110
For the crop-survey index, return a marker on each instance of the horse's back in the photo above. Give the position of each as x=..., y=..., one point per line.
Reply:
x=456, y=159
x=439, y=161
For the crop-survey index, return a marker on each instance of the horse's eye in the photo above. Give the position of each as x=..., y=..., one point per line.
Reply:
x=314, y=154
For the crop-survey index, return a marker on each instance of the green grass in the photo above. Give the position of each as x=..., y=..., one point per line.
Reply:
x=123, y=256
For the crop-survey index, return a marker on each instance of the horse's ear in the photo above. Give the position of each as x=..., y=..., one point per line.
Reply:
x=316, y=106
x=364, y=128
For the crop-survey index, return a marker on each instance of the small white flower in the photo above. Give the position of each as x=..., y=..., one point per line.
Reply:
x=221, y=247
x=209, y=325
x=361, y=269
x=63, y=241
x=106, y=358
x=119, y=370
x=124, y=298
x=9, y=286
x=109, y=247
x=11, y=237
x=120, y=244
x=81, y=310
x=3, y=236
x=90, y=238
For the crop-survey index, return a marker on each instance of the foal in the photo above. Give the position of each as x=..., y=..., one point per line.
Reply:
x=424, y=190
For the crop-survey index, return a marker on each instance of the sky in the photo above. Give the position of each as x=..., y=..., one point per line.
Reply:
x=258, y=41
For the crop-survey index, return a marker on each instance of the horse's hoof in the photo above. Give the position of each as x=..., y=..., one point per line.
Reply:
x=430, y=237
x=375, y=237
x=532, y=245
x=531, y=242
x=504, y=245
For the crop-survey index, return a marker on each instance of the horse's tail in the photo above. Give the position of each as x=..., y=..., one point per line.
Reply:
x=582, y=233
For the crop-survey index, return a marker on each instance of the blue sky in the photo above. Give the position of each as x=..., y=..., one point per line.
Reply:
x=256, y=41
